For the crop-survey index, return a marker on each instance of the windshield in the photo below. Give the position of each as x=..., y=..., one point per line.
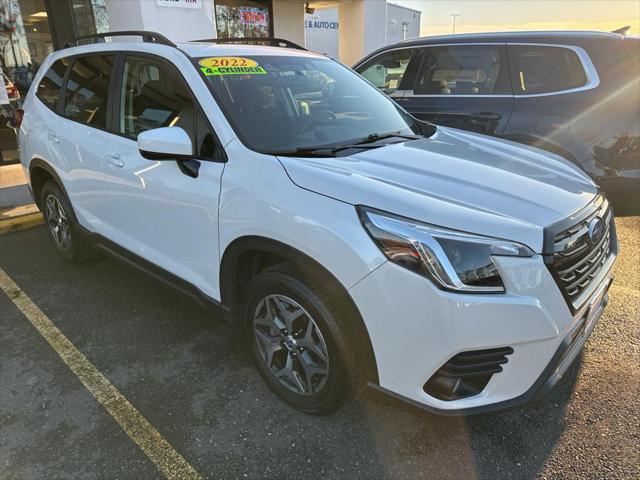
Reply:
x=284, y=103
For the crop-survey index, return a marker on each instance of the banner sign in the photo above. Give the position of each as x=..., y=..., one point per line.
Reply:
x=320, y=24
x=253, y=16
x=180, y=3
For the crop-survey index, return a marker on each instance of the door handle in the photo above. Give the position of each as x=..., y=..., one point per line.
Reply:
x=114, y=159
x=486, y=116
x=53, y=137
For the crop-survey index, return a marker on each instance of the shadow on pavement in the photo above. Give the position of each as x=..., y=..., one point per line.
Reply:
x=190, y=376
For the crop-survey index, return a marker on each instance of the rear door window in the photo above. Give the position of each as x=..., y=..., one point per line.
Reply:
x=544, y=69
x=463, y=70
x=48, y=90
x=87, y=89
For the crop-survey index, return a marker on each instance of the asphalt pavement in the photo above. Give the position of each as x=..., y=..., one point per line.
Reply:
x=188, y=374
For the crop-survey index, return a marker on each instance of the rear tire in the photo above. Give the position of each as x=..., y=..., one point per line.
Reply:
x=63, y=228
x=300, y=341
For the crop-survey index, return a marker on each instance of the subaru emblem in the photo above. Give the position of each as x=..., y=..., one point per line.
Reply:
x=595, y=230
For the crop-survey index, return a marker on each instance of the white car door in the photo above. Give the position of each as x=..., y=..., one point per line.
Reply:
x=158, y=210
x=80, y=137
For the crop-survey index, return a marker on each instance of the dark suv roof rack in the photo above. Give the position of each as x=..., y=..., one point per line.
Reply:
x=268, y=41
x=151, y=37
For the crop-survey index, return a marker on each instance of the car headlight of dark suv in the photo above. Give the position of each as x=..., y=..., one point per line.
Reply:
x=453, y=260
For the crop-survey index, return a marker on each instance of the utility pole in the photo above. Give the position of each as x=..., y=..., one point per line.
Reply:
x=454, y=15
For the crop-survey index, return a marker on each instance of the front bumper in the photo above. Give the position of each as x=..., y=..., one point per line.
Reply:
x=415, y=328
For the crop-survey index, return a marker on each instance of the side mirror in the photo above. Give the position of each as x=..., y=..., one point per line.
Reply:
x=166, y=143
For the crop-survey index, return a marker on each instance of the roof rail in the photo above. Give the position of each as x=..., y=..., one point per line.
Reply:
x=151, y=37
x=622, y=31
x=269, y=41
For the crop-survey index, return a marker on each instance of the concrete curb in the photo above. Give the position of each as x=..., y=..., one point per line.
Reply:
x=20, y=222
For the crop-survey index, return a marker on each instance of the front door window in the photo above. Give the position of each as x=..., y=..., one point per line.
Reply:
x=388, y=70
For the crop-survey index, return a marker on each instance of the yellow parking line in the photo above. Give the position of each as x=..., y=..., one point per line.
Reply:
x=21, y=222
x=150, y=441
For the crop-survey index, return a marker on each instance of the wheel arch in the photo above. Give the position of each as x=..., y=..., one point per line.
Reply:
x=40, y=172
x=246, y=256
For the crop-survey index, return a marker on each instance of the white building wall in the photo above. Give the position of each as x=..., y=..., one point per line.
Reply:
x=288, y=20
x=321, y=31
x=363, y=24
x=178, y=23
x=402, y=23
x=195, y=19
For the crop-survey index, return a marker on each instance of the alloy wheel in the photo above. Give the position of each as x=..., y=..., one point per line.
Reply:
x=291, y=344
x=57, y=222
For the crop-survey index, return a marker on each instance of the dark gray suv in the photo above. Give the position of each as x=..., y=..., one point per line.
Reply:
x=573, y=93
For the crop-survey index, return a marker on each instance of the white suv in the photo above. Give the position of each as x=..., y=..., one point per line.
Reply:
x=356, y=245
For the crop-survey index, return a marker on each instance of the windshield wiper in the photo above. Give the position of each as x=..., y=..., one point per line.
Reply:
x=319, y=151
x=375, y=137
x=331, y=151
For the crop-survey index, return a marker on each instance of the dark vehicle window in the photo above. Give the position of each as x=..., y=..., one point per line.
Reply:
x=462, y=70
x=387, y=71
x=540, y=69
x=283, y=103
x=49, y=88
x=154, y=95
x=87, y=90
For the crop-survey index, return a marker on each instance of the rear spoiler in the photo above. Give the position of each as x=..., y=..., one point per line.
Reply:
x=623, y=31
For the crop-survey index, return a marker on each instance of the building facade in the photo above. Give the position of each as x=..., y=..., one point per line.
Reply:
x=322, y=28
x=343, y=29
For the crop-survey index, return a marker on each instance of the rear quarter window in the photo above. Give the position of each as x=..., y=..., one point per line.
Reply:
x=48, y=90
x=86, y=92
x=545, y=69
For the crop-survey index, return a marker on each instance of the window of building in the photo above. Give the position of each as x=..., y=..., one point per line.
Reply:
x=542, y=69
x=462, y=70
x=87, y=90
x=387, y=71
x=244, y=18
x=49, y=88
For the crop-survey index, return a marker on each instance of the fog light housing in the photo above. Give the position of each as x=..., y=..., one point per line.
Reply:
x=466, y=374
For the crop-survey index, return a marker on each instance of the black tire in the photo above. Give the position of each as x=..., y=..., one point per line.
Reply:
x=343, y=379
x=77, y=247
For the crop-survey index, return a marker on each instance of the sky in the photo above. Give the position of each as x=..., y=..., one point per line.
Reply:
x=504, y=15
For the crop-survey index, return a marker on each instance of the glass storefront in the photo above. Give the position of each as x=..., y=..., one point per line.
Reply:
x=27, y=35
x=244, y=18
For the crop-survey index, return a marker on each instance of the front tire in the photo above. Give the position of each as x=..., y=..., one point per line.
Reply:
x=63, y=228
x=300, y=341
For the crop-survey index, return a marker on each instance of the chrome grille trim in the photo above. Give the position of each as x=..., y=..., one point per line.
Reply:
x=574, y=261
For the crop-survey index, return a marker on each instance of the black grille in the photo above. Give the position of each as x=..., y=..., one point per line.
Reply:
x=466, y=373
x=576, y=258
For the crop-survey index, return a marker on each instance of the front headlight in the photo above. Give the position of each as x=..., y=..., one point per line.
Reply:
x=454, y=260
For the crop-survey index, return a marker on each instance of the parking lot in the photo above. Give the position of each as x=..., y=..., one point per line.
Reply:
x=188, y=375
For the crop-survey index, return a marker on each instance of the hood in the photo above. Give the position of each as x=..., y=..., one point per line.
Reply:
x=455, y=179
